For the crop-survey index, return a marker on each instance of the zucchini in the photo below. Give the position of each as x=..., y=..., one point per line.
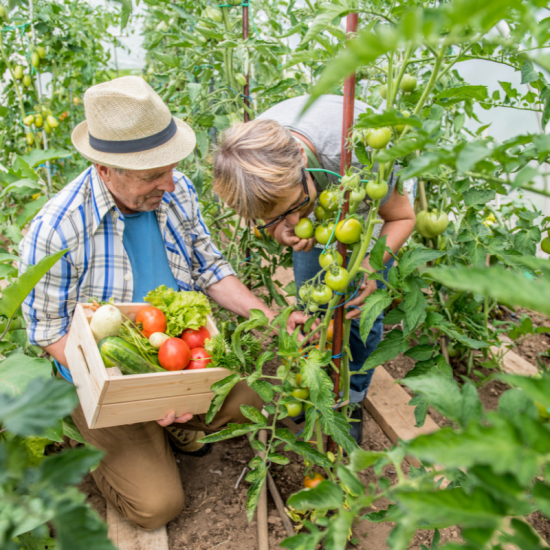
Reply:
x=116, y=352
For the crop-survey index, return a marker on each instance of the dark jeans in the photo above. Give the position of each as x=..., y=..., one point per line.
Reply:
x=306, y=266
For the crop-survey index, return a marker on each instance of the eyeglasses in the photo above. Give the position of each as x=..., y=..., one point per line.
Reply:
x=305, y=202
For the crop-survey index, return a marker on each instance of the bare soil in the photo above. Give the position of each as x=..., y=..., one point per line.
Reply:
x=215, y=516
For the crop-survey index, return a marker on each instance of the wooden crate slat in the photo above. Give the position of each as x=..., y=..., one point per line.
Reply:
x=115, y=414
x=138, y=387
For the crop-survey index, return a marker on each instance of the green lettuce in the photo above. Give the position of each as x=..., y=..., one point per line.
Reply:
x=182, y=309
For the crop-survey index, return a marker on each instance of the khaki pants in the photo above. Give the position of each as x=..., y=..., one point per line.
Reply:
x=138, y=474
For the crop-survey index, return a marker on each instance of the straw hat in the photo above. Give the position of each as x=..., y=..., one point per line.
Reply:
x=128, y=126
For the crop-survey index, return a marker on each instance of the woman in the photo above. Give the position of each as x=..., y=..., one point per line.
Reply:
x=259, y=172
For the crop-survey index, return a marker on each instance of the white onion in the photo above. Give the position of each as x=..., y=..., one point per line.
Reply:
x=157, y=339
x=106, y=321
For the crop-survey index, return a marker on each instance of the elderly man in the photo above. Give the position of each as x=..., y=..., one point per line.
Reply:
x=131, y=222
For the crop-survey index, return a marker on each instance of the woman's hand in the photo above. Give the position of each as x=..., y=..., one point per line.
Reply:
x=171, y=417
x=284, y=234
x=366, y=289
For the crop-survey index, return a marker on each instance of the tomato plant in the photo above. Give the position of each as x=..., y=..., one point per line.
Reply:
x=330, y=257
x=323, y=233
x=348, y=231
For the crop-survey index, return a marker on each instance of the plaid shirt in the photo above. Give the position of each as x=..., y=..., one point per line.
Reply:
x=83, y=217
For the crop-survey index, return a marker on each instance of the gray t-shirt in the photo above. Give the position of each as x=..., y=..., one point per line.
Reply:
x=321, y=124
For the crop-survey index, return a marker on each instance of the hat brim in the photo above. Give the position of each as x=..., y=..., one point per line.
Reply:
x=177, y=148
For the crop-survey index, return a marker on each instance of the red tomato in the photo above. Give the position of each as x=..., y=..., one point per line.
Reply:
x=195, y=338
x=174, y=354
x=199, y=359
x=152, y=320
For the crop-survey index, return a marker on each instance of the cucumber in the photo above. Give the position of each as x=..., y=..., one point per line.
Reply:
x=116, y=352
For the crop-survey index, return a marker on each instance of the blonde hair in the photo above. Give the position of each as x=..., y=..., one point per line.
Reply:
x=256, y=165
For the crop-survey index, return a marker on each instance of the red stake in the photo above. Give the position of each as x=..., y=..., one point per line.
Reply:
x=246, y=92
x=347, y=123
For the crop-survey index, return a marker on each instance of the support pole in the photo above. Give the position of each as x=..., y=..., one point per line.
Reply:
x=261, y=510
x=347, y=123
x=246, y=92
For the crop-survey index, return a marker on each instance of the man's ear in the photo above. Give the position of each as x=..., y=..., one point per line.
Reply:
x=104, y=172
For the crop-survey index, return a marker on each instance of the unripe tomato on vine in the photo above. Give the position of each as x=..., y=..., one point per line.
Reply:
x=323, y=233
x=400, y=127
x=383, y=91
x=304, y=229
x=321, y=294
x=329, y=200
x=350, y=181
x=545, y=245
x=28, y=120
x=357, y=196
x=27, y=81
x=38, y=121
x=377, y=190
x=41, y=52
x=408, y=83
x=294, y=409
x=378, y=138
x=240, y=79
x=18, y=72
x=35, y=60
x=337, y=279
x=321, y=214
x=3, y=12
x=330, y=257
x=348, y=231
x=305, y=292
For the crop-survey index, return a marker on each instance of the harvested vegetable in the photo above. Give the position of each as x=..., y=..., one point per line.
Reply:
x=105, y=322
x=185, y=309
x=174, y=354
x=195, y=338
x=116, y=352
x=157, y=339
x=200, y=359
x=151, y=319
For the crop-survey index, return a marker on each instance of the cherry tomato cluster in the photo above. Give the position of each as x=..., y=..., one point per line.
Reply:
x=174, y=354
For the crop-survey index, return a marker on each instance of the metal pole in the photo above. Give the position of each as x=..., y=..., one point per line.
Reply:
x=347, y=123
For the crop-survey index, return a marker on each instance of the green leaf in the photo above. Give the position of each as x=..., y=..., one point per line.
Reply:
x=338, y=530
x=71, y=431
x=221, y=390
x=328, y=12
x=232, y=430
x=278, y=459
x=541, y=494
x=167, y=59
x=340, y=432
x=471, y=154
x=361, y=459
x=18, y=370
x=39, y=156
x=14, y=295
x=80, y=528
x=538, y=389
x=376, y=255
x=4, y=257
x=506, y=286
x=417, y=257
x=264, y=389
x=414, y=304
x=439, y=509
x=528, y=73
x=69, y=466
x=389, y=348
x=302, y=448
x=372, y=307
x=257, y=319
x=474, y=197
x=388, y=118
x=254, y=415
x=364, y=50
x=325, y=496
x=254, y=492
x=479, y=93
x=525, y=176
x=499, y=445
x=351, y=481
x=320, y=386
x=40, y=406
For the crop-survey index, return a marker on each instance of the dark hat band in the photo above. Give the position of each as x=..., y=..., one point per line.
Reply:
x=134, y=145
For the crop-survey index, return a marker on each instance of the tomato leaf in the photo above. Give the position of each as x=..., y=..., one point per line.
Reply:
x=376, y=255
x=325, y=496
x=221, y=390
x=255, y=490
x=338, y=530
x=361, y=459
x=264, y=389
x=257, y=319
x=372, y=307
x=302, y=448
x=389, y=348
x=278, y=459
x=232, y=430
x=417, y=257
x=253, y=414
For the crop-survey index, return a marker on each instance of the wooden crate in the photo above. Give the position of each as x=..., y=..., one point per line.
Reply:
x=111, y=399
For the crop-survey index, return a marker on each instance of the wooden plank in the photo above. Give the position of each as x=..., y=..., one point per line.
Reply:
x=511, y=362
x=137, y=387
x=126, y=536
x=387, y=402
x=116, y=414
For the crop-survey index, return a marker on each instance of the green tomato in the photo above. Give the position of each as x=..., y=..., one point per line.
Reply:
x=305, y=292
x=329, y=257
x=323, y=233
x=378, y=138
x=240, y=79
x=383, y=91
x=321, y=214
x=41, y=52
x=356, y=196
x=27, y=81
x=400, y=127
x=543, y=411
x=351, y=182
x=408, y=83
x=294, y=409
x=321, y=294
x=431, y=224
x=18, y=72
x=300, y=393
x=337, y=279
x=348, y=231
x=214, y=14
x=35, y=60
x=545, y=245
x=313, y=307
x=304, y=229
x=377, y=191
x=329, y=200
x=3, y=12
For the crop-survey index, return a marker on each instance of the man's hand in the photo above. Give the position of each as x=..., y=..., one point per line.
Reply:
x=170, y=418
x=296, y=319
x=366, y=289
x=284, y=234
